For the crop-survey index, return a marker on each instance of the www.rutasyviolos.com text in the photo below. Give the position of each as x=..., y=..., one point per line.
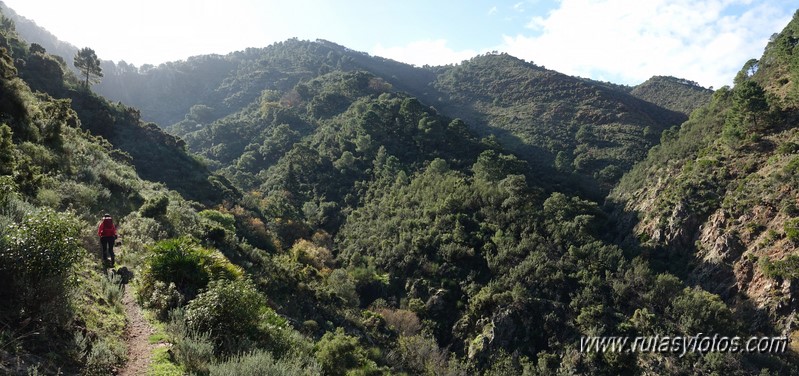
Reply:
x=700, y=343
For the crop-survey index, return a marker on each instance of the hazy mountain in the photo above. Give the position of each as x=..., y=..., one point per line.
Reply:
x=591, y=129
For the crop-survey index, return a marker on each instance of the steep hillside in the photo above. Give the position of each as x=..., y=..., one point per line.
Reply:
x=62, y=307
x=578, y=125
x=717, y=200
x=673, y=93
x=398, y=210
x=156, y=155
x=61, y=312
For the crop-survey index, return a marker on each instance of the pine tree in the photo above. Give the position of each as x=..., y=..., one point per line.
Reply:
x=88, y=63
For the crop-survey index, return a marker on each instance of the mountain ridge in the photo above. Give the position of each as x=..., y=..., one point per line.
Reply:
x=159, y=93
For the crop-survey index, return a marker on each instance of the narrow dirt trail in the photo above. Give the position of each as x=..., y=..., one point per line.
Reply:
x=138, y=334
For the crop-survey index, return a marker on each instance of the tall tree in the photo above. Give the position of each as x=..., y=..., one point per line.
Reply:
x=88, y=63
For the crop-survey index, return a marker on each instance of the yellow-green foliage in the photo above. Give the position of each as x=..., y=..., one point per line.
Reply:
x=309, y=253
x=227, y=221
x=787, y=268
x=791, y=228
x=162, y=365
x=262, y=362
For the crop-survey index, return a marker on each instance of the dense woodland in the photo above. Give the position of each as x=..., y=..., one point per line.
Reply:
x=308, y=209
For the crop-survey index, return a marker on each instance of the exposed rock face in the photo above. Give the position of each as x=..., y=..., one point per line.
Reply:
x=717, y=250
x=726, y=249
x=681, y=227
x=497, y=332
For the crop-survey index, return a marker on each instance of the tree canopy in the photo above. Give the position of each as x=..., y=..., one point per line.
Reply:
x=88, y=63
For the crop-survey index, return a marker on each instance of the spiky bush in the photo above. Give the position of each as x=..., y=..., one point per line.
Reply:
x=177, y=269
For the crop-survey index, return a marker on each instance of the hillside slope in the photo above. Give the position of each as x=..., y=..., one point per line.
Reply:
x=717, y=200
x=156, y=155
x=577, y=125
x=673, y=93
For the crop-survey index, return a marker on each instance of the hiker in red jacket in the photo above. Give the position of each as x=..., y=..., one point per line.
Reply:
x=108, y=235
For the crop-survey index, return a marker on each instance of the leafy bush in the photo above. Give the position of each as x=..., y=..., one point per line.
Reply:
x=193, y=350
x=308, y=253
x=787, y=148
x=101, y=359
x=421, y=355
x=340, y=354
x=163, y=298
x=155, y=208
x=186, y=265
x=37, y=260
x=227, y=221
x=342, y=285
x=791, y=228
x=229, y=310
x=696, y=310
x=787, y=268
x=260, y=362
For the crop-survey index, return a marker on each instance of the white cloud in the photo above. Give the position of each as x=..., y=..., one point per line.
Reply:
x=492, y=11
x=431, y=52
x=631, y=40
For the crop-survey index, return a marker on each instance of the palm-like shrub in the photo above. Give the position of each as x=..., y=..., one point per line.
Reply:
x=177, y=269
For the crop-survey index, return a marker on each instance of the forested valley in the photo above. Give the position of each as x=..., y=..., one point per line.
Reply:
x=307, y=209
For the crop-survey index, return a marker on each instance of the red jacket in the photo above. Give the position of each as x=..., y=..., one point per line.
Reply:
x=106, y=228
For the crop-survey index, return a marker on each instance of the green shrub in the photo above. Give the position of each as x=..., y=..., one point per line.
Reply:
x=227, y=221
x=230, y=311
x=341, y=285
x=195, y=352
x=163, y=298
x=421, y=355
x=37, y=260
x=787, y=268
x=183, y=220
x=154, y=208
x=101, y=359
x=695, y=310
x=261, y=362
x=788, y=148
x=192, y=349
x=113, y=289
x=341, y=354
x=308, y=253
x=791, y=228
x=792, y=168
x=186, y=264
x=8, y=190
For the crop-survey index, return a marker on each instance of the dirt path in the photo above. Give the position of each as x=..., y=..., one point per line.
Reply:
x=138, y=334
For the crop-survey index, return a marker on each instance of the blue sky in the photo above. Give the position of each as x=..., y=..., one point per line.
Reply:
x=622, y=41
